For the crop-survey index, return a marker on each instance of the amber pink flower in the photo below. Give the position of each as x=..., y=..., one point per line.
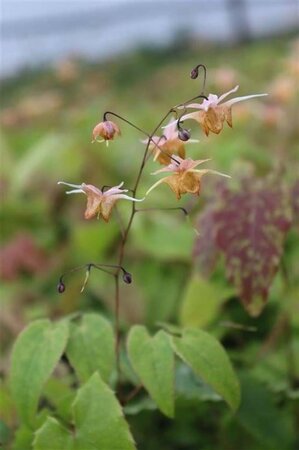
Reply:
x=185, y=178
x=99, y=203
x=283, y=89
x=213, y=112
x=106, y=130
x=168, y=144
x=225, y=77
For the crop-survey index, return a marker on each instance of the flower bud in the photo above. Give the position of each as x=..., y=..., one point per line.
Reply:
x=194, y=73
x=61, y=287
x=107, y=130
x=127, y=277
x=184, y=134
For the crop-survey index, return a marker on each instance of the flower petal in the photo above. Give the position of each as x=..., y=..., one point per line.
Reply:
x=171, y=131
x=240, y=99
x=197, y=162
x=204, y=171
x=223, y=96
x=127, y=197
x=192, y=105
x=170, y=124
x=195, y=115
x=157, y=154
x=75, y=191
x=192, y=141
x=78, y=188
x=69, y=184
x=155, y=185
x=115, y=190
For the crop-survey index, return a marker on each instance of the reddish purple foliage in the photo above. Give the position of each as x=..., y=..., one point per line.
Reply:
x=295, y=202
x=21, y=255
x=249, y=227
x=205, y=250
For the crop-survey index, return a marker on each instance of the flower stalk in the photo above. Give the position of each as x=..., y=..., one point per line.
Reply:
x=168, y=149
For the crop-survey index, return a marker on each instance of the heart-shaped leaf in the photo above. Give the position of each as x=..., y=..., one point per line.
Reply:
x=249, y=226
x=208, y=359
x=35, y=355
x=53, y=436
x=152, y=359
x=201, y=302
x=91, y=347
x=98, y=421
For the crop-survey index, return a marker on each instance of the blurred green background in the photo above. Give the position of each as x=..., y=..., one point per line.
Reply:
x=46, y=118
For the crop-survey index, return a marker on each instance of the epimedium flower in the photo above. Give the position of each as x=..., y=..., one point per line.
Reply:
x=100, y=203
x=107, y=130
x=213, y=112
x=163, y=147
x=185, y=177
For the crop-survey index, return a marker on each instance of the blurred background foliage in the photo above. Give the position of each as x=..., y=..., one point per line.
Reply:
x=47, y=117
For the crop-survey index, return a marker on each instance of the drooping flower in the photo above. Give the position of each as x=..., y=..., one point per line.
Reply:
x=212, y=112
x=106, y=130
x=99, y=203
x=185, y=178
x=168, y=144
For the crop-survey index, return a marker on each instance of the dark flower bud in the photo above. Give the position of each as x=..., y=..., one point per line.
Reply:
x=194, y=73
x=61, y=287
x=184, y=135
x=127, y=277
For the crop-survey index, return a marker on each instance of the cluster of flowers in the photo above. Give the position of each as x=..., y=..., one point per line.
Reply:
x=168, y=150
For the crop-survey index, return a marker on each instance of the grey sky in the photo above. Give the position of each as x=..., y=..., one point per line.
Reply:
x=42, y=31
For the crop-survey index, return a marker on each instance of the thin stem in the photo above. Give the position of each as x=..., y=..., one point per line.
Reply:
x=84, y=266
x=131, y=218
x=157, y=145
x=183, y=105
x=163, y=209
x=194, y=75
x=123, y=244
x=117, y=327
x=191, y=100
x=237, y=326
x=132, y=394
x=124, y=120
x=150, y=136
x=89, y=266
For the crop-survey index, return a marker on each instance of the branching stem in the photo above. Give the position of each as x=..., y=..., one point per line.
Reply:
x=150, y=136
x=134, y=210
x=124, y=241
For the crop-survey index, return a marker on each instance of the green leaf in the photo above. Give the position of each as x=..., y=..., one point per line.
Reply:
x=4, y=433
x=206, y=356
x=60, y=396
x=262, y=418
x=99, y=419
x=152, y=235
x=201, y=302
x=34, y=357
x=53, y=155
x=7, y=407
x=52, y=436
x=170, y=275
x=92, y=240
x=152, y=359
x=23, y=438
x=91, y=347
x=139, y=405
x=189, y=386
